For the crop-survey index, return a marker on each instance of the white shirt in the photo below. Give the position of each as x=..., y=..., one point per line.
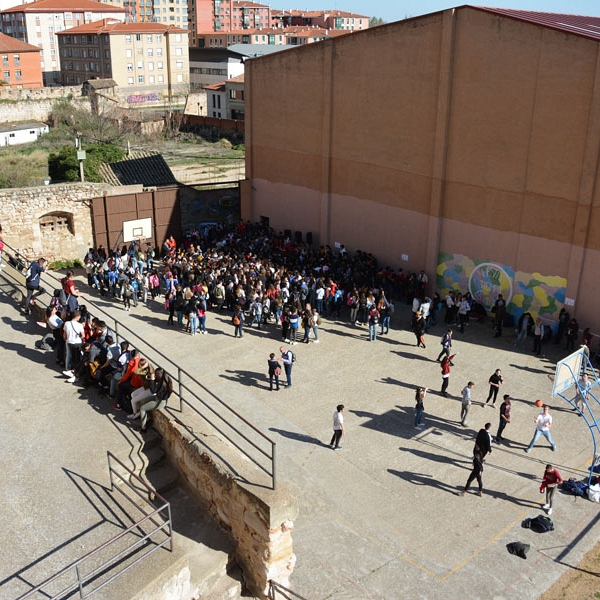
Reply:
x=544, y=422
x=338, y=420
x=74, y=331
x=466, y=395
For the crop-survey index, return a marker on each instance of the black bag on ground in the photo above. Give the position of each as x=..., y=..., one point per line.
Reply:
x=518, y=549
x=539, y=524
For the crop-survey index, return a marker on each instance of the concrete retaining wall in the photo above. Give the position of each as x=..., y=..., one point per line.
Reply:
x=260, y=521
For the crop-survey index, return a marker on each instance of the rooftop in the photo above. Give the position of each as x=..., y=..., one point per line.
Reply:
x=114, y=27
x=58, y=6
x=11, y=44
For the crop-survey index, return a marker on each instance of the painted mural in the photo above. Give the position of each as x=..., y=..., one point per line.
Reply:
x=542, y=295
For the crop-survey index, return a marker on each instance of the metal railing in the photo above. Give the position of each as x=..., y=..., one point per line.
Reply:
x=252, y=443
x=85, y=571
x=276, y=591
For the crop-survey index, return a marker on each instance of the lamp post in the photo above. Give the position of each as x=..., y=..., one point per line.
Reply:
x=80, y=156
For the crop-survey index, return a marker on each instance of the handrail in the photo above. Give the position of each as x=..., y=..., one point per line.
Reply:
x=275, y=588
x=176, y=373
x=112, y=561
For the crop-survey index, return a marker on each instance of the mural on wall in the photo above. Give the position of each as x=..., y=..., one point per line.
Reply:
x=542, y=295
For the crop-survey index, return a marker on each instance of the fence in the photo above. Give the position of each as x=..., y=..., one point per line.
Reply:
x=248, y=440
x=93, y=568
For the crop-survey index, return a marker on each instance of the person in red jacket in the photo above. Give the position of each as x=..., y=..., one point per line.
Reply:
x=130, y=380
x=446, y=364
x=551, y=479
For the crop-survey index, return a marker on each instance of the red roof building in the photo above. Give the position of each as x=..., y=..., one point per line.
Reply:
x=21, y=64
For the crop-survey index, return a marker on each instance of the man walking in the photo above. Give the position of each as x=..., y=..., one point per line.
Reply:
x=466, y=402
x=338, y=427
x=288, y=358
x=483, y=442
x=543, y=423
x=446, y=344
x=32, y=282
x=504, y=417
x=551, y=479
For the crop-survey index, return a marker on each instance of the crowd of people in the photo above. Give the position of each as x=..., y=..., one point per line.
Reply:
x=261, y=278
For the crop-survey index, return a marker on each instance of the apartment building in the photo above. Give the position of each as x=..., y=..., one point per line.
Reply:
x=148, y=61
x=226, y=15
x=37, y=23
x=171, y=12
x=21, y=63
x=336, y=19
x=290, y=36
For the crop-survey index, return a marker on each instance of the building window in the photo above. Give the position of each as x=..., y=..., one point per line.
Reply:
x=159, y=65
x=138, y=37
x=5, y=60
x=128, y=39
x=18, y=75
x=128, y=53
x=160, y=79
x=140, y=79
x=149, y=38
x=159, y=52
x=179, y=64
x=178, y=51
x=150, y=66
x=129, y=67
x=6, y=75
x=151, y=79
x=140, y=64
x=150, y=52
x=130, y=80
x=17, y=59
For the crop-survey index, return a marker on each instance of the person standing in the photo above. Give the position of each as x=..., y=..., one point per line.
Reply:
x=495, y=382
x=71, y=291
x=238, y=322
x=446, y=344
x=73, y=332
x=338, y=427
x=373, y=322
x=32, y=282
x=543, y=423
x=550, y=480
x=505, y=417
x=466, y=402
x=500, y=315
x=523, y=329
x=583, y=386
x=538, y=336
x=446, y=364
x=274, y=371
x=419, y=407
x=288, y=359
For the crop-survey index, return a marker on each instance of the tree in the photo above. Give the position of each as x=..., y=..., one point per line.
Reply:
x=64, y=166
x=374, y=21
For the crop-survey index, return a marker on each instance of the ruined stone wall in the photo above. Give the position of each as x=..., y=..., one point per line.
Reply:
x=260, y=521
x=35, y=104
x=53, y=221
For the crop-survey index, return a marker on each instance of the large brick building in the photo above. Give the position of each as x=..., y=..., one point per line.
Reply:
x=465, y=142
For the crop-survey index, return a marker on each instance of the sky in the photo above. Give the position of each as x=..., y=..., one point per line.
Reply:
x=395, y=10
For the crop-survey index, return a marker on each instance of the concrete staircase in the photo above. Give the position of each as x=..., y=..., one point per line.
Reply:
x=202, y=567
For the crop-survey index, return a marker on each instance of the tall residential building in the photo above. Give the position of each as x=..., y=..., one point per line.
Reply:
x=148, y=61
x=226, y=15
x=38, y=23
x=21, y=64
x=170, y=12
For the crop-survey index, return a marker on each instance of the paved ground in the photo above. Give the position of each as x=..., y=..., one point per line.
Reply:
x=380, y=518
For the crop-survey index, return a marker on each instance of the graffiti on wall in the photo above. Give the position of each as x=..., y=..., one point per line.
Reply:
x=524, y=292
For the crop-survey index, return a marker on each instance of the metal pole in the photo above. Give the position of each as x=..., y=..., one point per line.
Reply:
x=179, y=376
x=274, y=465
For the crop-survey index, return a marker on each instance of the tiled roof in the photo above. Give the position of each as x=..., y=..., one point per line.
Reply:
x=112, y=26
x=58, y=6
x=242, y=3
x=146, y=169
x=237, y=78
x=11, y=44
x=576, y=24
x=215, y=87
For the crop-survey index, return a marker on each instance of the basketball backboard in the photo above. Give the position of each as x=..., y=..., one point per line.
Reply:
x=137, y=229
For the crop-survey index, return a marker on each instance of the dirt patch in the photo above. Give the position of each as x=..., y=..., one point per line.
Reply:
x=581, y=582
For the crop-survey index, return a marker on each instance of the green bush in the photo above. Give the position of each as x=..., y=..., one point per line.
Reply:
x=64, y=166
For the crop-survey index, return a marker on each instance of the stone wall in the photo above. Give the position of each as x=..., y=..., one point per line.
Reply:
x=36, y=104
x=53, y=221
x=260, y=521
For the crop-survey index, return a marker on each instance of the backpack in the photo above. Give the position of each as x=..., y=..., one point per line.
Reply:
x=293, y=357
x=576, y=488
x=236, y=320
x=166, y=388
x=541, y=524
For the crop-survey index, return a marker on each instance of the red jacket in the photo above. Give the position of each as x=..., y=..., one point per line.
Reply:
x=446, y=364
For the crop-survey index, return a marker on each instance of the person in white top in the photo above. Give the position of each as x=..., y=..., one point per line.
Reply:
x=338, y=427
x=73, y=334
x=543, y=424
